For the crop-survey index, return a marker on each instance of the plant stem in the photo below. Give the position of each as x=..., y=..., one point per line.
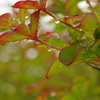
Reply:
x=52, y=15
x=48, y=44
x=94, y=14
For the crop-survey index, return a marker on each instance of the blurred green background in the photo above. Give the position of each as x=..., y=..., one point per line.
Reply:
x=23, y=65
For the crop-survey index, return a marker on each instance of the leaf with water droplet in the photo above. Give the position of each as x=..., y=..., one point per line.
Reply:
x=72, y=20
x=55, y=68
x=49, y=48
x=57, y=21
x=20, y=33
x=71, y=56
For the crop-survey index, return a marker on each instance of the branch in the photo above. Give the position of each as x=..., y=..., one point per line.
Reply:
x=48, y=44
x=52, y=15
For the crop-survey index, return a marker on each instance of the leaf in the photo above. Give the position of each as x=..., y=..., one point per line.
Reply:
x=27, y=5
x=23, y=30
x=5, y=21
x=96, y=47
x=88, y=23
x=56, y=40
x=97, y=33
x=20, y=33
x=22, y=15
x=11, y=36
x=34, y=21
x=55, y=69
x=94, y=63
x=4, y=26
x=5, y=17
x=73, y=19
x=44, y=2
x=69, y=96
x=67, y=54
x=70, y=55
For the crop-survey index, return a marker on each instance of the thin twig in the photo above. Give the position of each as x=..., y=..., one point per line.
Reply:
x=48, y=44
x=52, y=15
x=94, y=14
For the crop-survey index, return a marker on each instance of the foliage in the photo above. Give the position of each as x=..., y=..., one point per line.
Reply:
x=71, y=47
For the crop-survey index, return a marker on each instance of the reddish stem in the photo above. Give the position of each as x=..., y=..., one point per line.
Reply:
x=48, y=44
x=52, y=15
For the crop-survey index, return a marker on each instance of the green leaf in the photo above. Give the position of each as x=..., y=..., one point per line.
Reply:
x=67, y=55
x=22, y=15
x=70, y=55
x=4, y=26
x=73, y=19
x=55, y=69
x=27, y=5
x=34, y=21
x=88, y=23
x=96, y=47
x=69, y=96
x=56, y=40
x=97, y=33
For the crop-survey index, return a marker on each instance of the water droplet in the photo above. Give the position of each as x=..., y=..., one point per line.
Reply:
x=49, y=48
x=52, y=94
x=37, y=42
x=75, y=24
x=81, y=29
x=57, y=21
x=26, y=17
x=16, y=42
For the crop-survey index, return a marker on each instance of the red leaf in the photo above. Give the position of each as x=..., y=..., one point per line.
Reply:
x=27, y=5
x=34, y=21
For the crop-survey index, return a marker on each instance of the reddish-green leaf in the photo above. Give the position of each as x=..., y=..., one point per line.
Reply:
x=27, y=5
x=70, y=55
x=55, y=69
x=11, y=36
x=5, y=21
x=5, y=17
x=34, y=21
x=23, y=30
x=20, y=33
x=4, y=26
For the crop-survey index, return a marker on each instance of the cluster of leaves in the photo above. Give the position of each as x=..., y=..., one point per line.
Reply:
x=77, y=42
